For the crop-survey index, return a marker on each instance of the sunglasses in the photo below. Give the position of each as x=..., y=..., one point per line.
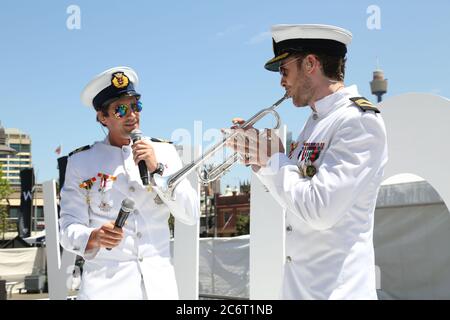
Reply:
x=122, y=109
x=283, y=70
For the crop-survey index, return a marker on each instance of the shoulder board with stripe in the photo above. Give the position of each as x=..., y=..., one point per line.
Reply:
x=160, y=140
x=79, y=150
x=364, y=104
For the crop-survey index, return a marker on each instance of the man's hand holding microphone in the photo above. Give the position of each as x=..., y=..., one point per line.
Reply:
x=110, y=234
x=143, y=155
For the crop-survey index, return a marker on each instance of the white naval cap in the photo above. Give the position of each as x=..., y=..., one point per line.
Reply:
x=307, y=38
x=109, y=86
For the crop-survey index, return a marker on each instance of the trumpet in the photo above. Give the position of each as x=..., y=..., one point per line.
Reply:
x=164, y=186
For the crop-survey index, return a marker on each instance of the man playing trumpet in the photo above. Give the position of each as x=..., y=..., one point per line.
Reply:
x=329, y=182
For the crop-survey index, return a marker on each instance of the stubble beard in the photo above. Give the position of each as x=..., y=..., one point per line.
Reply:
x=304, y=93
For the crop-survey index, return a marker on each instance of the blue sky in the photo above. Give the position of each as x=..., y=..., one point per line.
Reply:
x=197, y=61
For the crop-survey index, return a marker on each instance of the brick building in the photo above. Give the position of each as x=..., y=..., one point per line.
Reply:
x=229, y=209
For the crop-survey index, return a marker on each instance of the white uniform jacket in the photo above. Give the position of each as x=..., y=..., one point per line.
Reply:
x=330, y=215
x=96, y=182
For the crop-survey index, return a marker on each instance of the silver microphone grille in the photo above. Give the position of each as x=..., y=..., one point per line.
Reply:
x=127, y=205
x=136, y=134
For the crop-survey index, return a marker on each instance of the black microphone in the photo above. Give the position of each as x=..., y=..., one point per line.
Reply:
x=125, y=209
x=136, y=135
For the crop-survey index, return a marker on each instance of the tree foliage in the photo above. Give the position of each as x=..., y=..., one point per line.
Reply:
x=5, y=192
x=243, y=224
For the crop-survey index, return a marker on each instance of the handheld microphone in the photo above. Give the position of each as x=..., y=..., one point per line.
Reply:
x=125, y=209
x=136, y=135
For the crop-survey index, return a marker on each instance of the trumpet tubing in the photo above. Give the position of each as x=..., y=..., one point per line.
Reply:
x=169, y=183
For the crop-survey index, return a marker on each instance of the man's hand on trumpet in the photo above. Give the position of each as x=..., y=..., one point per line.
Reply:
x=255, y=148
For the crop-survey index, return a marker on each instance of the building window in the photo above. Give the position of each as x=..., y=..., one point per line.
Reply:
x=227, y=218
x=14, y=212
x=20, y=147
x=39, y=212
x=25, y=163
x=14, y=168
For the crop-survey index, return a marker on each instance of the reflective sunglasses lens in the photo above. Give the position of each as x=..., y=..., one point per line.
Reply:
x=121, y=110
x=138, y=107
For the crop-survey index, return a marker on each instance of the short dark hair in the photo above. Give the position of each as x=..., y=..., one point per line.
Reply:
x=104, y=110
x=332, y=66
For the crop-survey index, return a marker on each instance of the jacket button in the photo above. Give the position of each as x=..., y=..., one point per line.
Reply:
x=289, y=228
x=288, y=259
x=132, y=189
x=139, y=235
x=141, y=259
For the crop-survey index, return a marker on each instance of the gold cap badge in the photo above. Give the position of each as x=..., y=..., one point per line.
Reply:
x=119, y=80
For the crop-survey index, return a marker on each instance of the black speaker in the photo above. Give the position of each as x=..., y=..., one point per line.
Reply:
x=26, y=202
x=62, y=164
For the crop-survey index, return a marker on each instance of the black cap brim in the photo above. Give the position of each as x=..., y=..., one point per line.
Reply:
x=274, y=63
x=283, y=48
x=120, y=95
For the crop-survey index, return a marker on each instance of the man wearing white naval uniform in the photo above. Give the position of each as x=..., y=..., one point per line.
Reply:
x=329, y=181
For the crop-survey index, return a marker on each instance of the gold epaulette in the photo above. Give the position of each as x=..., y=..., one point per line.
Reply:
x=79, y=150
x=364, y=104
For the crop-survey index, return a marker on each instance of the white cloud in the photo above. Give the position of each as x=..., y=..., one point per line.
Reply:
x=261, y=37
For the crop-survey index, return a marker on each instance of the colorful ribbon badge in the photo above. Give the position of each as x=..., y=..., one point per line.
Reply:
x=105, y=205
x=87, y=185
x=104, y=178
x=292, y=148
x=310, y=153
